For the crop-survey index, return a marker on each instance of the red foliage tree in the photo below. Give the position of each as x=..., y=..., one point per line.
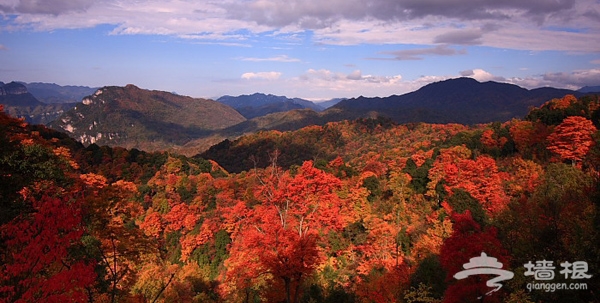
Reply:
x=37, y=266
x=572, y=139
x=480, y=178
x=468, y=240
x=282, y=232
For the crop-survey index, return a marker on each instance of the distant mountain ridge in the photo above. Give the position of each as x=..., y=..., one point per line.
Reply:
x=16, y=94
x=258, y=104
x=19, y=102
x=460, y=100
x=331, y=102
x=589, y=89
x=51, y=93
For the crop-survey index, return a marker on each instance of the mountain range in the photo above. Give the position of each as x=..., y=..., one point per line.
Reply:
x=258, y=105
x=155, y=120
x=51, y=93
x=18, y=101
x=589, y=89
x=461, y=100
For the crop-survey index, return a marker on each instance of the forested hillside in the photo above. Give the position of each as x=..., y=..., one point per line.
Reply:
x=352, y=211
x=146, y=119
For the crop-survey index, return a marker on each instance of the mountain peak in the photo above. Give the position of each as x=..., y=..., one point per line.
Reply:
x=133, y=117
x=458, y=100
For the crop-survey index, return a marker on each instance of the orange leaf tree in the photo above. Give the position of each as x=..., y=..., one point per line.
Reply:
x=280, y=235
x=572, y=139
x=110, y=212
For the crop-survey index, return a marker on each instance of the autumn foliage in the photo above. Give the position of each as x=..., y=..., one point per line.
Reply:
x=572, y=139
x=352, y=211
x=38, y=266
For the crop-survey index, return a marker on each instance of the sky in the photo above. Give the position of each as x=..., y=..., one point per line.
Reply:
x=312, y=49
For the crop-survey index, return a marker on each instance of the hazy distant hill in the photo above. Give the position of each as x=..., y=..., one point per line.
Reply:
x=330, y=103
x=52, y=93
x=462, y=100
x=19, y=102
x=150, y=120
x=16, y=94
x=257, y=105
x=589, y=89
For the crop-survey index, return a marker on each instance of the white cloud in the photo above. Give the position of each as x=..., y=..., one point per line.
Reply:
x=577, y=78
x=570, y=80
x=480, y=75
x=326, y=83
x=185, y=19
x=516, y=24
x=521, y=35
x=355, y=75
x=261, y=75
x=316, y=13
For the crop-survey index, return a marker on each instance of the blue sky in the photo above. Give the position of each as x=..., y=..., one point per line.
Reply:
x=311, y=49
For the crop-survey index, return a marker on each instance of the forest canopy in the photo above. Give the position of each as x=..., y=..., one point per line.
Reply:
x=352, y=211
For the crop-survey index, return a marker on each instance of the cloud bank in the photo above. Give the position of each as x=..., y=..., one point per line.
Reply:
x=515, y=24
